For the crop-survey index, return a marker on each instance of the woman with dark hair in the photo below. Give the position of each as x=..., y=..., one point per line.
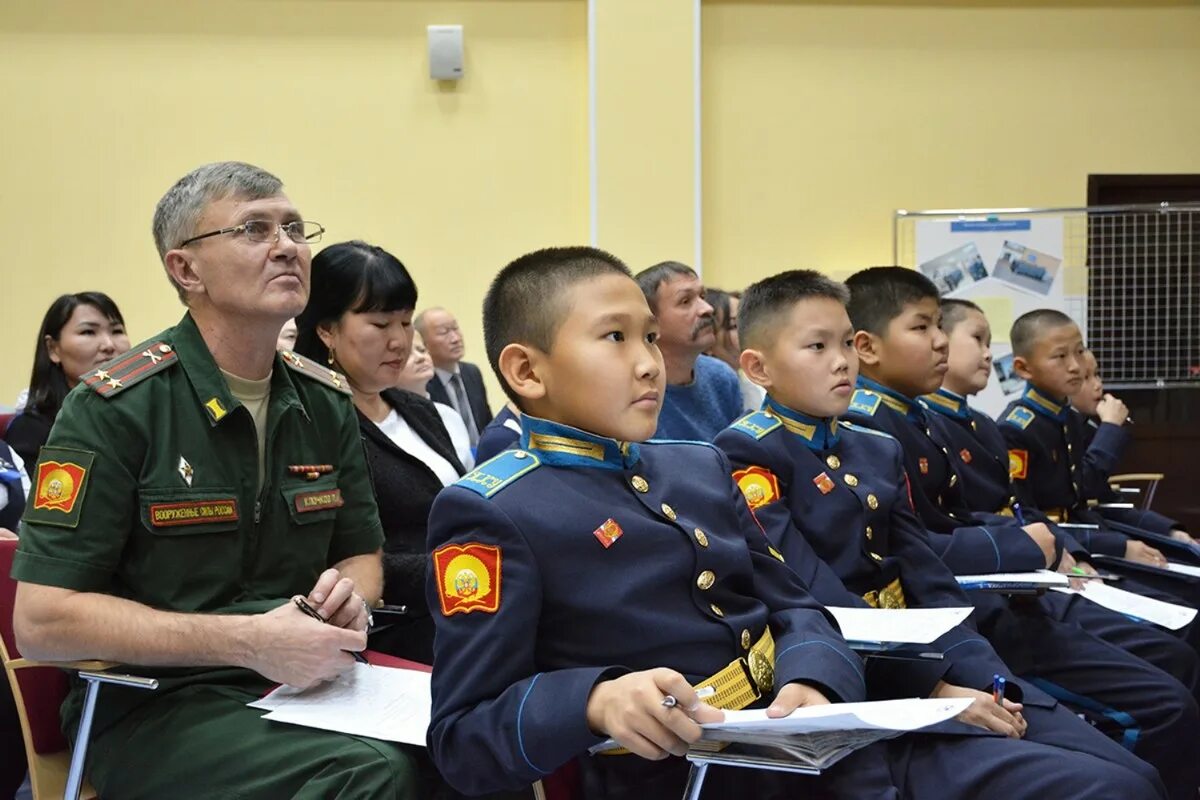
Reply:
x=727, y=347
x=359, y=321
x=79, y=333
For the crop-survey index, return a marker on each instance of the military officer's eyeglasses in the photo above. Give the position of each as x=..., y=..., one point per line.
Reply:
x=265, y=230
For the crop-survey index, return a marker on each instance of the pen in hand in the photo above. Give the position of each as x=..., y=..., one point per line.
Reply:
x=998, y=682
x=308, y=610
x=702, y=693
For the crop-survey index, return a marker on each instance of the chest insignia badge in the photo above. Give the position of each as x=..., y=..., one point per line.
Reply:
x=185, y=471
x=824, y=483
x=608, y=533
x=923, y=465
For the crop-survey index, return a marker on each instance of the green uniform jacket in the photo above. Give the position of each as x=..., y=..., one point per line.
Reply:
x=147, y=489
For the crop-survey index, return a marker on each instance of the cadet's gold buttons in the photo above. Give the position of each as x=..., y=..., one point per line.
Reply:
x=164, y=348
x=520, y=454
x=946, y=451
x=706, y=579
x=716, y=609
x=851, y=480
x=745, y=639
x=870, y=533
x=668, y=512
x=639, y=483
x=833, y=461
x=876, y=556
x=701, y=539
x=872, y=502
x=953, y=479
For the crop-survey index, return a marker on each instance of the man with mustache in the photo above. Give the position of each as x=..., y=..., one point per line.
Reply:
x=703, y=395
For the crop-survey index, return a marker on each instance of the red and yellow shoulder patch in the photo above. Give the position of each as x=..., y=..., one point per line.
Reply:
x=59, y=484
x=1018, y=464
x=759, y=486
x=468, y=577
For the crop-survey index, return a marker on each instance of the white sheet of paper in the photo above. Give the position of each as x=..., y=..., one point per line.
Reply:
x=884, y=715
x=1168, y=615
x=1185, y=569
x=1042, y=577
x=902, y=625
x=375, y=701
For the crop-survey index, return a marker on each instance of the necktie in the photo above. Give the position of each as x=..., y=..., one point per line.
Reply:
x=464, y=408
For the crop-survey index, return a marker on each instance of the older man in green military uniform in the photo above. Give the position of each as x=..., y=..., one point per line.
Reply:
x=189, y=490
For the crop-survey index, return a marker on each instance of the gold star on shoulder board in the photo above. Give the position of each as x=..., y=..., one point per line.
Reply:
x=101, y=375
x=113, y=383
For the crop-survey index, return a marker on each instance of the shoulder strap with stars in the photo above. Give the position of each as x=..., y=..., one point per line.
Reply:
x=757, y=424
x=497, y=473
x=865, y=403
x=128, y=369
x=311, y=369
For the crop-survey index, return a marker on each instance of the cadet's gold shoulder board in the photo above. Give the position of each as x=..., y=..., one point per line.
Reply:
x=311, y=369
x=496, y=473
x=1020, y=416
x=115, y=376
x=757, y=424
x=864, y=402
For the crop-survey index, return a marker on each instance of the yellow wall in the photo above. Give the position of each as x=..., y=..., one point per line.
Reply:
x=820, y=119
x=106, y=104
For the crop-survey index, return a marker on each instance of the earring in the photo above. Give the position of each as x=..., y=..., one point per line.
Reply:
x=331, y=356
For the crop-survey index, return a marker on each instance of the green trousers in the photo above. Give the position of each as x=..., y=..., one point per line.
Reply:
x=201, y=741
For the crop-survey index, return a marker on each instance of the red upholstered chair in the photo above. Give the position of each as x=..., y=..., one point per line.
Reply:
x=5, y=418
x=39, y=689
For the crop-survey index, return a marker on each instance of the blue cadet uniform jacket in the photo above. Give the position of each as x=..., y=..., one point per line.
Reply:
x=1046, y=446
x=833, y=498
x=969, y=542
x=574, y=559
x=1103, y=449
x=980, y=458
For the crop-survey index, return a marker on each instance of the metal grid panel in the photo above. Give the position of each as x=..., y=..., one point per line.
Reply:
x=1131, y=279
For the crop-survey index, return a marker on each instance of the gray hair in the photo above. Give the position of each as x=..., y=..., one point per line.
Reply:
x=179, y=210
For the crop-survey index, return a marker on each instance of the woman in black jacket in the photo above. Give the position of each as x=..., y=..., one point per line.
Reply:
x=359, y=321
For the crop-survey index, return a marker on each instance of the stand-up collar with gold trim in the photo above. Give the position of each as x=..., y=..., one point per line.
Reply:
x=1037, y=400
x=894, y=400
x=948, y=403
x=816, y=433
x=560, y=445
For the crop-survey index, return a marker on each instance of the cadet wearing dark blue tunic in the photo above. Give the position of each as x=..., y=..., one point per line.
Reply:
x=896, y=316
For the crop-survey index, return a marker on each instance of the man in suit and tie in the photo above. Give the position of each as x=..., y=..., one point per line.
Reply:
x=455, y=382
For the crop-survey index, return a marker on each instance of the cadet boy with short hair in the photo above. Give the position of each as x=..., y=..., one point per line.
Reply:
x=812, y=480
x=903, y=354
x=1097, y=408
x=980, y=457
x=587, y=574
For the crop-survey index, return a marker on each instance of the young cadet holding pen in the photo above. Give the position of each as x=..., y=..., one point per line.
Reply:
x=587, y=575
x=833, y=499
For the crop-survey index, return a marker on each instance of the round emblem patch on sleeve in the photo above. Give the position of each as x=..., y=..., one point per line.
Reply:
x=468, y=577
x=759, y=486
x=59, y=486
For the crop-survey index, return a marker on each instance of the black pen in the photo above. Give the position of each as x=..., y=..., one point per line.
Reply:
x=303, y=605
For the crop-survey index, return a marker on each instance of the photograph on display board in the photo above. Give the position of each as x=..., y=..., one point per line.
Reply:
x=960, y=267
x=1026, y=268
x=1010, y=382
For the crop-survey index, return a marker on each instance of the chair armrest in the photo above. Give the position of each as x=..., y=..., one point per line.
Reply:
x=89, y=671
x=1137, y=476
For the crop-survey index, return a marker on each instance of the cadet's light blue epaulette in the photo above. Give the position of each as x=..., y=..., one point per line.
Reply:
x=307, y=367
x=850, y=426
x=131, y=368
x=493, y=475
x=1020, y=417
x=864, y=402
x=757, y=424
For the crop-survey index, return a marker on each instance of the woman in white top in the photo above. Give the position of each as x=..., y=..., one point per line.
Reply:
x=359, y=321
x=415, y=377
